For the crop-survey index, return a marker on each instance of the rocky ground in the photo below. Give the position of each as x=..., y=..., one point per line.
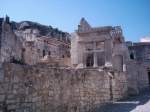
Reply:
x=139, y=103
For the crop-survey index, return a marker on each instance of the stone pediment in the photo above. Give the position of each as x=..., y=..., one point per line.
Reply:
x=83, y=26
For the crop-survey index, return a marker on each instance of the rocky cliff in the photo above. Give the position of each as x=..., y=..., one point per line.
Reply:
x=43, y=30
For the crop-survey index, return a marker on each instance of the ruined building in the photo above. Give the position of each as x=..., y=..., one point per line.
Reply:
x=105, y=47
x=10, y=44
x=96, y=47
x=30, y=42
x=103, y=67
x=140, y=52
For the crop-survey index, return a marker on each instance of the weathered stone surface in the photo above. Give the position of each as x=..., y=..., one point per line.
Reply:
x=98, y=46
x=55, y=89
x=137, y=77
x=50, y=86
x=28, y=42
x=10, y=45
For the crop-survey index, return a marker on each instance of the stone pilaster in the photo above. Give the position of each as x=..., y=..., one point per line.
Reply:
x=95, y=60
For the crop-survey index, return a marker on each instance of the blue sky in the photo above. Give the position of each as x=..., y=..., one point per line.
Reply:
x=132, y=15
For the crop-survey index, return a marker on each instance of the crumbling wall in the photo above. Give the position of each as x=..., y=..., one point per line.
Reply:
x=45, y=89
x=137, y=77
x=119, y=85
x=31, y=55
x=10, y=44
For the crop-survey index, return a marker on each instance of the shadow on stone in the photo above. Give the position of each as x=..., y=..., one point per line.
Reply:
x=127, y=105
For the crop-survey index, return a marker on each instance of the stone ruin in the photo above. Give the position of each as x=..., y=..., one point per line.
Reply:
x=28, y=42
x=99, y=71
x=96, y=47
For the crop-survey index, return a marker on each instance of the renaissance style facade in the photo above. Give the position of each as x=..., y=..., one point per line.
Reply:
x=100, y=46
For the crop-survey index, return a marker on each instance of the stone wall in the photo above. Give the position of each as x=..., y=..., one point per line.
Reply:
x=119, y=86
x=50, y=89
x=30, y=54
x=137, y=77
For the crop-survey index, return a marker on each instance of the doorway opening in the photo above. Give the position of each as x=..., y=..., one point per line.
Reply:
x=23, y=54
x=90, y=60
x=44, y=53
x=149, y=77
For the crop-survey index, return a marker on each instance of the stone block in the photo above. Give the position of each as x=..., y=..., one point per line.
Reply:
x=2, y=97
x=12, y=106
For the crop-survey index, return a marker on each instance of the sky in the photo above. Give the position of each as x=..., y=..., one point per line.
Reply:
x=132, y=15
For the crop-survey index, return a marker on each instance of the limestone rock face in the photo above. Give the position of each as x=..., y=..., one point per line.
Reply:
x=42, y=29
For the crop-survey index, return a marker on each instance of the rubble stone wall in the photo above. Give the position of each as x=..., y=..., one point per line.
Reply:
x=137, y=77
x=119, y=86
x=46, y=89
